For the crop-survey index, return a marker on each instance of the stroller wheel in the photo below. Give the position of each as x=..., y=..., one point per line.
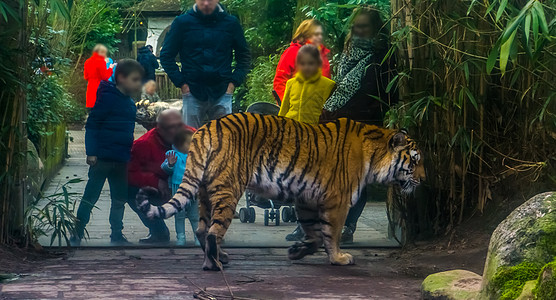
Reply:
x=293, y=215
x=286, y=214
x=266, y=217
x=251, y=211
x=244, y=215
x=277, y=218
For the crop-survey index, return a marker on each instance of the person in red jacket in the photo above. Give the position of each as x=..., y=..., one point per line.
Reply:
x=95, y=72
x=308, y=32
x=147, y=154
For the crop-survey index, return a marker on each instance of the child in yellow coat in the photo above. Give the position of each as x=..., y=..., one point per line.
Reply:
x=308, y=90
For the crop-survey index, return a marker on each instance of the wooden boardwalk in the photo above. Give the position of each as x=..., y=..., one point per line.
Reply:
x=372, y=228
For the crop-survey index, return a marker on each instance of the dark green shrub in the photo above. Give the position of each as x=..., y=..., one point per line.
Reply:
x=260, y=81
x=48, y=103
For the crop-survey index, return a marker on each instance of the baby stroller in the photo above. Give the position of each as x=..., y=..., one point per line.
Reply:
x=271, y=208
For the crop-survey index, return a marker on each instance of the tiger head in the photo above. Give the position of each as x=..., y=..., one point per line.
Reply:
x=407, y=162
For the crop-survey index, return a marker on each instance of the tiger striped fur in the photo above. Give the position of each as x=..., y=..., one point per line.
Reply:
x=320, y=168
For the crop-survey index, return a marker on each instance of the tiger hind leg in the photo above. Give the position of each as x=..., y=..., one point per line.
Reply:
x=309, y=221
x=332, y=224
x=223, y=208
x=204, y=216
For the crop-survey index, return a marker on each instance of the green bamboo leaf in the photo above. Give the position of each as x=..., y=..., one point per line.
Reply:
x=515, y=76
x=471, y=6
x=505, y=52
x=466, y=71
x=535, y=21
x=74, y=180
x=6, y=10
x=501, y=9
x=491, y=7
x=527, y=29
x=537, y=6
x=512, y=26
x=391, y=83
x=491, y=60
x=471, y=98
x=59, y=7
x=545, y=106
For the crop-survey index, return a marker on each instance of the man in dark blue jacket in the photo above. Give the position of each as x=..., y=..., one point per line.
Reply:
x=108, y=141
x=206, y=38
x=147, y=59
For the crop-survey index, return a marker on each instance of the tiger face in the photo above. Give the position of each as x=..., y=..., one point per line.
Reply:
x=409, y=170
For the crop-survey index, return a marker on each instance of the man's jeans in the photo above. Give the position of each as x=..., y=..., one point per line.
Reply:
x=156, y=227
x=195, y=111
x=116, y=173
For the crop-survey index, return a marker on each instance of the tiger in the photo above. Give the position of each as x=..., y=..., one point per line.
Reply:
x=321, y=169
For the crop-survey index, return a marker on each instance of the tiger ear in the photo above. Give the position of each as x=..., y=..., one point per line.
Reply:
x=398, y=140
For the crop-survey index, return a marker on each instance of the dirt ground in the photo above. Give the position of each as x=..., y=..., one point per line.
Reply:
x=253, y=273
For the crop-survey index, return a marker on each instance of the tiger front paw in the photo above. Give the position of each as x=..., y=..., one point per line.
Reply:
x=142, y=200
x=342, y=259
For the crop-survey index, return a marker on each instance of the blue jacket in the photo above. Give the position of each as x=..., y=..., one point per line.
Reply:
x=206, y=45
x=147, y=59
x=175, y=172
x=110, y=125
x=113, y=77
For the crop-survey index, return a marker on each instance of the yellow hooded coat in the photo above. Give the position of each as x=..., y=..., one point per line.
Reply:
x=305, y=97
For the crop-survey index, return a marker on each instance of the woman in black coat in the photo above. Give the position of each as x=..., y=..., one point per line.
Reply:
x=361, y=86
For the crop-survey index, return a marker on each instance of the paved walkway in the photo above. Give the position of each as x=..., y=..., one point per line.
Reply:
x=372, y=229
x=176, y=274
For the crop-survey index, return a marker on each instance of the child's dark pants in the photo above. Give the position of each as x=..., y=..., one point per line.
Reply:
x=116, y=173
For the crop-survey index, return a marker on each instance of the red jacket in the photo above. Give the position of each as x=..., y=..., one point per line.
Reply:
x=147, y=154
x=95, y=72
x=286, y=67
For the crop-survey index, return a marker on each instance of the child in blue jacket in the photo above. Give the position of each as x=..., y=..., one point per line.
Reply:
x=108, y=141
x=174, y=165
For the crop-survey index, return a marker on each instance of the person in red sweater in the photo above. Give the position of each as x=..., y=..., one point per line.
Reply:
x=147, y=154
x=95, y=72
x=308, y=32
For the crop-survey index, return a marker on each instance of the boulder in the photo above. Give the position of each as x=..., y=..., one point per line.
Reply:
x=546, y=285
x=451, y=285
x=528, y=234
x=519, y=247
x=527, y=292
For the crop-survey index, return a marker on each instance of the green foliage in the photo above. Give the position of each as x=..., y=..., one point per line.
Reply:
x=93, y=22
x=260, y=81
x=508, y=282
x=476, y=79
x=267, y=23
x=529, y=19
x=53, y=215
x=48, y=103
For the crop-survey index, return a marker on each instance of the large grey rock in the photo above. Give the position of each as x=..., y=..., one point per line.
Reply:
x=451, y=285
x=528, y=234
x=546, y=286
